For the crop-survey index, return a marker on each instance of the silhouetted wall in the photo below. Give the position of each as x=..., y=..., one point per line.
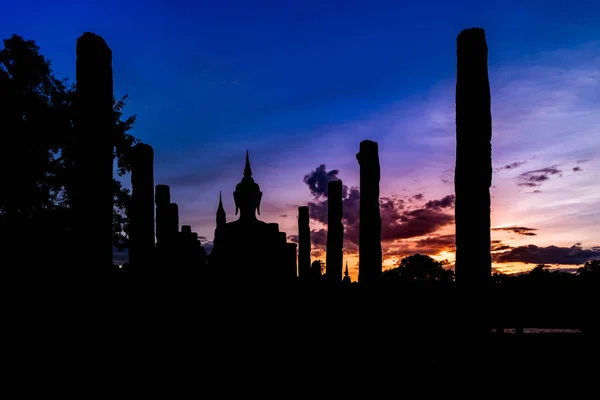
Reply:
x=303, y=242
x=141, y=214
x=369, y=242
x=94, y=123
x=473, y=174
x=335, y=233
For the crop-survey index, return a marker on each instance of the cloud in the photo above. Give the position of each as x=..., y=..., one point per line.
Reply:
x=318, y=238
x=582, y=161
x=569, y=270
x=317, y=253
x=447, y=176
x=519, y=230
x=208, y=246
x=401, y=218
x=497, y=245
x=577, y=169
x=418, y=196
x=445, y=202
x=513, y=165
x=397, y=222
x=431, y=245
x=318, y=180
x=415, y=223
x=532, y=254
x=536, y=177
x=283, y=216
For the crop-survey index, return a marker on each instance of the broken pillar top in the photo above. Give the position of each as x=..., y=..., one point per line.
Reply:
x=336, y=186
x=368, y=145
x=94, y=43
x=472, y=37
x=186, y=229
x=162, y=195
x=303, y=211
x=143, y=149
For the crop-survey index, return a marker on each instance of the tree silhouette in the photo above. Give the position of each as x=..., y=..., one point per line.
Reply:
x=317, y=268
x=418, y=267
x=590, y=272
x=37, y=116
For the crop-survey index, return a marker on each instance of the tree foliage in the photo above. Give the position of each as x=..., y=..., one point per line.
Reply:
x=420, y=268
x=590, y=272
x=37, y=118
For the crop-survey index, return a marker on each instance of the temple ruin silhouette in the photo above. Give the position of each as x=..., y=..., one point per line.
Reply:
x=253, y=253
x=235, y=256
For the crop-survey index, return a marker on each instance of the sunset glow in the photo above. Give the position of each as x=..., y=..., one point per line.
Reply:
x=300, y=91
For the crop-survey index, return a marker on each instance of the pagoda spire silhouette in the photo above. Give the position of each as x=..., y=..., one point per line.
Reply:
x=247, y=169
x=221, y=215
x=346, y=279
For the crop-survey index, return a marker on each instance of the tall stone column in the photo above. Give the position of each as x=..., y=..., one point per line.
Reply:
x=369, y=236
x=283, y=263
x=473, y=173
x=173, y=221
x=141, y=236
x=94, y=124
x=303, y=243
x=163, y=201
x=291, y=261
x=335, y=234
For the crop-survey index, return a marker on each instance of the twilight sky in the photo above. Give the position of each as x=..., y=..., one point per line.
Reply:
x=300, y=84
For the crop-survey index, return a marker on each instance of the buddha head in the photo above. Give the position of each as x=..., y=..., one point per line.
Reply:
x=247, y=195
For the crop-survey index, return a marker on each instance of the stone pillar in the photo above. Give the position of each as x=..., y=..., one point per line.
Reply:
x=141, y=215
x=303, y=243
x=282, y=264
x=473, y=173
x=369, y=241
x=163, y=200
x=94, y=127
x=173, y=221
x=184, y=246
x=291, y=262
x=335, y=234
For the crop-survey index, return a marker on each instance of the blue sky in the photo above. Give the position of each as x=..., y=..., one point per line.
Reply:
x=300, y=84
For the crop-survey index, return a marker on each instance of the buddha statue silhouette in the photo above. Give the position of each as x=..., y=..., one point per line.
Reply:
x=247, y=248
x=247, y=196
